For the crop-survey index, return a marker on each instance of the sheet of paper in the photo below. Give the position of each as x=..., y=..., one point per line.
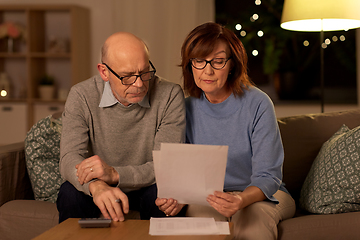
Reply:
x=189, y=172
x=223, y=228
x=187, y=226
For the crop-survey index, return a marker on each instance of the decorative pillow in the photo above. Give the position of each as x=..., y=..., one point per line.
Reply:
x=42, y=152
x=333, y=182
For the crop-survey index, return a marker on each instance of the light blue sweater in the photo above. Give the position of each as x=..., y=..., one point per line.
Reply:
x=247, y=124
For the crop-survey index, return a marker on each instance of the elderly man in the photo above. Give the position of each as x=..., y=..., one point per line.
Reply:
x=111, y=124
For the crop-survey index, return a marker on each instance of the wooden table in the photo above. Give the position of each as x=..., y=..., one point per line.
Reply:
x=128, y=230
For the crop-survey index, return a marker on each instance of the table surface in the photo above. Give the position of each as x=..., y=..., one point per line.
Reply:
x=129, y=230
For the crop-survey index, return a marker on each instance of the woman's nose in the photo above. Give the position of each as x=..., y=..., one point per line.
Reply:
x=208, y=69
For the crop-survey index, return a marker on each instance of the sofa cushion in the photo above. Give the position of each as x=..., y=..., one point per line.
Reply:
x=302, y=137
x=333, y=184
x=42, y=151
x=315, y=227
x=14, y=179
x=26, y=219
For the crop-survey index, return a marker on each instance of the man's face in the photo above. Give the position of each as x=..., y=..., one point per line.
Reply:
x=126, y=55
x=128, y=94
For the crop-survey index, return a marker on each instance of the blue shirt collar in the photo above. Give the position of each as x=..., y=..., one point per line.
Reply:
x=108, y=99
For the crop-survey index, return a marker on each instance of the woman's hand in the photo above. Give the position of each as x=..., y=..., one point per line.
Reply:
x=228, y=204
x=225, y=203
x=169, y=206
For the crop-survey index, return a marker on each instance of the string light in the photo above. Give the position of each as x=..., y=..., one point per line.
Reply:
x=3, y=93
x=254, y=17
x=260, y=33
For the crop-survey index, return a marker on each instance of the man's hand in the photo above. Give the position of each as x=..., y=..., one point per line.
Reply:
x=106, y=199
x=169, y=206
x=94, y=167
x=226, y=204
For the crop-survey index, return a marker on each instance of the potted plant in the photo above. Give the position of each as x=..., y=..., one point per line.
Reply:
x=46, y=87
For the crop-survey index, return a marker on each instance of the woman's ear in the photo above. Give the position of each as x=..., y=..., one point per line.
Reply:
x=232, y=64
x=232, y=67
x=104, y=73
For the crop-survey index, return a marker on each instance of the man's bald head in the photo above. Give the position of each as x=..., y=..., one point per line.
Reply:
x=123, y=44
x=125, y=55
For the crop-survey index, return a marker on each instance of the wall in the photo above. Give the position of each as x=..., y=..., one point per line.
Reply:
x=163, y=24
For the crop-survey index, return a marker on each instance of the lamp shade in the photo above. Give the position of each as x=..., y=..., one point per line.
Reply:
x=320, y=15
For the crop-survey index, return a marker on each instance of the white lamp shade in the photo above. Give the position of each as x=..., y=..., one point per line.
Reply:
x=317, y=15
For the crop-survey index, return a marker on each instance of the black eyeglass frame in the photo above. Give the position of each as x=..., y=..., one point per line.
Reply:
x=210, y=62
x=136, y=75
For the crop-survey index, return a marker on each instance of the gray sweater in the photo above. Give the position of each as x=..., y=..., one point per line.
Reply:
x=123, y=137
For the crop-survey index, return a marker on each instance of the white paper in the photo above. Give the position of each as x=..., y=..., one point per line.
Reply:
x=189, y=172
x=187, y=226
x=223, y=228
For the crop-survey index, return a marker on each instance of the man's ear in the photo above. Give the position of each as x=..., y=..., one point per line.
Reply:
x=104, y=73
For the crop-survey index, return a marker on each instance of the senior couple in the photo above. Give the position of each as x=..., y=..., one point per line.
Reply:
x=113, y=121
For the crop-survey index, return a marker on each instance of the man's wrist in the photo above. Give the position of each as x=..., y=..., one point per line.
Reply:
x=115, y=178
x=92, y=185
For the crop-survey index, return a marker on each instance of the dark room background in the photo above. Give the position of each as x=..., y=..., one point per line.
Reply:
x=286, y=64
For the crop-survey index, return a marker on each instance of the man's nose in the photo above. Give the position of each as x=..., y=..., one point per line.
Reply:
x=138, y=82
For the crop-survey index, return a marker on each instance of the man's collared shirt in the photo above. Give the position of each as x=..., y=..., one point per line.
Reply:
x=108, y=99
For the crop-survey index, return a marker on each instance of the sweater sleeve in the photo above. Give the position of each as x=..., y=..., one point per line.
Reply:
x=172, y=125
x=74, y=138
x=267, y=150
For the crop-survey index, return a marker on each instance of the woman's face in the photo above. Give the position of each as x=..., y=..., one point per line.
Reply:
x=213, y=81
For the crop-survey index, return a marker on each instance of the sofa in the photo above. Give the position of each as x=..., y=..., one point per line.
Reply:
x=22, y=217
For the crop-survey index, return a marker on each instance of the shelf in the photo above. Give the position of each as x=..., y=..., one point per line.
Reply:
x=40, y=101
x=12, y=55
x=50, y=55
x=57, y=44
x=13, y=100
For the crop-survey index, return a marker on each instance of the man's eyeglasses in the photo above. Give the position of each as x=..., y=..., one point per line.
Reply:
x=131, y=79
x=216, y=63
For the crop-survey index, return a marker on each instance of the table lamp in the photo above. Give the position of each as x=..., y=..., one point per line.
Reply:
x=320, y=16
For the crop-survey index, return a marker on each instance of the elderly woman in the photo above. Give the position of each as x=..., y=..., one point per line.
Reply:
x=225, y=108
